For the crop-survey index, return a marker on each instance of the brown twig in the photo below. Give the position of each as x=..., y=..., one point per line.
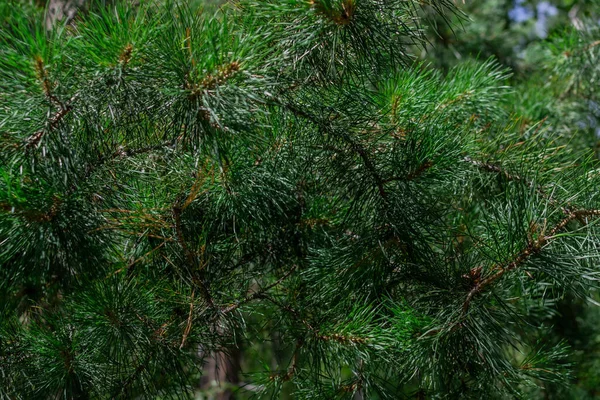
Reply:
x=47, y=85
x=176, y=211
x=488, y=167
x=129, y=267
x=586, y=48
x=188, y=327
x=356, y=147
x=131, y=378
x=295, y=313
x=53, y=123
x=122, y=152
x=35, y=139
x=592, y=45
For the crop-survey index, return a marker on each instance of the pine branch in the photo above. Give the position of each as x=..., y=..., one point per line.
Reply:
x=63, y=109
x=337, y=69
x=487, y=167
x=533, y=247
x=356, y=147
x=129, y=267
x=123, y=153
x=584, y=49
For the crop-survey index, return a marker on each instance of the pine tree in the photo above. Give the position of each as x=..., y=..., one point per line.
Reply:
x=287, y=181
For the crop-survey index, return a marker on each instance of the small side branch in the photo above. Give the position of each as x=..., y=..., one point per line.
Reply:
x=583, y=50
x=340, y=16
x=488, y=167
x=294, y=363
x=179, y=234
x=189, y=255
x=260, y=294
x=341, y=339
x=370, y=167
x=493, y=168
x=47, y=88
x=35, y=139
x=64, y=110
x=122, y=153
x=34, y=215
x=138, y=371
x=412, y=175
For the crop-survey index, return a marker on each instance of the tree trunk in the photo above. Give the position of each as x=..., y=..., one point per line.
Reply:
x=222, y=368
x=62, y=11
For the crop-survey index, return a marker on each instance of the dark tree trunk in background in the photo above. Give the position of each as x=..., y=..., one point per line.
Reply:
x=222, y=368
x=62, y=11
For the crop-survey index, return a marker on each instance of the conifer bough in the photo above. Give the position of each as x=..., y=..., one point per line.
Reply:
x=283, y=186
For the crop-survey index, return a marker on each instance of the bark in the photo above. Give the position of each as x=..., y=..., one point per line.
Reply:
x=222, y=368
x=62, y=11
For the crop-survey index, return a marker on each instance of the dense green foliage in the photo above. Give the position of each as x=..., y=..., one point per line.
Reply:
x=295, y=181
